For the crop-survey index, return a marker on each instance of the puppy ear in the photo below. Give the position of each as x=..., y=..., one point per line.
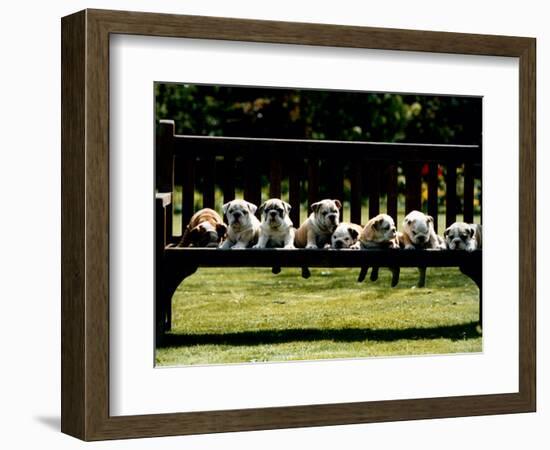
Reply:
x=338, y=204
x=446, y=232
x=353, y=233
x=472, y=230
x=225, y=207
x=377, y=222
x=430, y=219
x=287, y=207
x=251, y=207
x=315, y=207
x=261, y=208
x=221, y=229
x=195, y=233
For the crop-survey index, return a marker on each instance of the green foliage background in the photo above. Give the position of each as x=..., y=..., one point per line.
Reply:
x=315, y=114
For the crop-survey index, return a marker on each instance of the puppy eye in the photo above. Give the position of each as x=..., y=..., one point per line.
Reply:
x=414, y=232
x=346, y=239
x=325, y=213
x=245, y=212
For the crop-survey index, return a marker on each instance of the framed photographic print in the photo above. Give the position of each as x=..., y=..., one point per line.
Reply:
x=265, y=223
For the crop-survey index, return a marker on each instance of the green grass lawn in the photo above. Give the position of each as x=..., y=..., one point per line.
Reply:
x=225, y=315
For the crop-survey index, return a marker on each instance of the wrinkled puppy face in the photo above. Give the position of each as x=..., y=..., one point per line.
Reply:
x=458, y=236
x=418, y=226
x=206, y=235
x=274, y=212
x=344, y=236
x=238, y=213
x=383, y=228
x=327, y=213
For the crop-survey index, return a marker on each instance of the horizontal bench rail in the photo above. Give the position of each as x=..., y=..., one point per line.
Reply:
x=208, y=146
x=212, y=257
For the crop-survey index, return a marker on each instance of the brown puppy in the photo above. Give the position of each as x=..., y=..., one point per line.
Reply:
x=205, y=229
x=317, y=229
x=379, y=233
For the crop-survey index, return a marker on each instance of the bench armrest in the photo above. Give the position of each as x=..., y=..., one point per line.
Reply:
x=166, y=198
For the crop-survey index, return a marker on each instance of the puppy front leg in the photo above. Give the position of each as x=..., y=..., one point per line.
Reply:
x=226, y=244
x=262, y=241
x=289, y=239
x=311, y=239
x=407, y=243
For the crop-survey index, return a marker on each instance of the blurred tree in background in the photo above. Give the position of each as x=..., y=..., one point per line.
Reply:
x=314, y=114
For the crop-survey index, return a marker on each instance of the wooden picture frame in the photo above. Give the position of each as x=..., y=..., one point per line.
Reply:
x=85, y=224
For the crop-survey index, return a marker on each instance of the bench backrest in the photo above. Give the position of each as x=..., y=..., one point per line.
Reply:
x=313, y=169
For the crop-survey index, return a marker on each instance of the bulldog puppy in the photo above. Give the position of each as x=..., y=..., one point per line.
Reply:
x=346, y=235
x=419, y=233
x=379, y=233
x=463, y=236
x=317, y=229
x=276, y=228
x=205, y=229
x=244, y=227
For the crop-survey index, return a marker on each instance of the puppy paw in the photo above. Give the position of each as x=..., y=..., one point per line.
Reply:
x=409, y=247
x=355, y=246
x=311, y=246
x=289, y=246
x=327, y=246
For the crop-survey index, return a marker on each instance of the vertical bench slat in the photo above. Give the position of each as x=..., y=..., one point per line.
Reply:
x=356, y=192
x=335, y=173
x=252, y=181
x=391, y=179
x=208, y=168
x=413, y=186
x=228, y=178
x=374, y=189
x=468, y=193
x=312, y=181
x=450, y=194
x=294, y=170
x=275, y=175
x=187, y=168
x=433, y=185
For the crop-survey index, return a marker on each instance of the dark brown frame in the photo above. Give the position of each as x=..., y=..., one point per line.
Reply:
x=85, y=224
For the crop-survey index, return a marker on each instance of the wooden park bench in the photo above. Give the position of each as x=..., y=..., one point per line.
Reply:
x=313, y=169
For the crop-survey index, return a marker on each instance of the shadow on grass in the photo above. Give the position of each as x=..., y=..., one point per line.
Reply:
x=262, y=337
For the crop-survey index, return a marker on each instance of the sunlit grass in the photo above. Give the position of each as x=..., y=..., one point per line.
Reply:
x=226, y=315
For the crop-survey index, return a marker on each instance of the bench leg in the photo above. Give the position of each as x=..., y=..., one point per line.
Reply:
x=474, y=271
x=363, y=274
x=166, y=284
x=305, y=272
x=421, y=277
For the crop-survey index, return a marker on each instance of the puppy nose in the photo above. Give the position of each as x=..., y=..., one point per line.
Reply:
x=273, y=213
x=236, y=215
x=338, y=244
x=421, y=238
x=393, y=229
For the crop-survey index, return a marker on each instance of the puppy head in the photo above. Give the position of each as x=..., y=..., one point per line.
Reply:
x=327, y=213
x=274, y=211
x=207, y=235
x=238, y=213
x=418, y=227
x=344, y=236
x=381, y=228
x=458, y=235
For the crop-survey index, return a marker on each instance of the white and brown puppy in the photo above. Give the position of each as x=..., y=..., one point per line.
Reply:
x=244, y=227
x=463, y=236
x=317, y=229
x=346, y=235
x=419, y=233
x=380, y=232
x=276, y=228
x=205, y=229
